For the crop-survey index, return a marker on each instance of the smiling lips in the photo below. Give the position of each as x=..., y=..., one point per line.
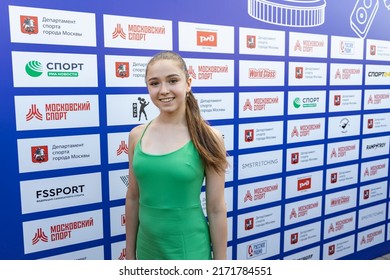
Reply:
x=167, y=99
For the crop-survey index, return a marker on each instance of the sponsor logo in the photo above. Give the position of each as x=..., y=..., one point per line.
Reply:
x=347, y=47
x=206, y=72
x=191, y=72
x=125, y=180
x=307, y=102
x=342, y=151
x=256, y=249
x=373, y=170
x=250, y=41
x=366, y=194
x=344, y=124
x=303, y=210
x=331, y=249
x=260, y=193
x=77, y=190
x=308, y=45
x=345, y=74
x=304, y=130
x=378, y=145
x=61, y=231
x=123, y=148
x=39, y=154
x=372, y=50
x=337, y=100
x=118, y=32
x=370, y=123
x=248, y=196
x=205, y=38
x=34, y=68
x=249, y=223
x=370, y=237
x=28, y=24
x=249, y=135
x=293, y=213
x=304, y=184
x=259, y=103
x=377, y=99
x=339, y=225
x=139, y=112
x=39, y=236
x=122, y=255
x=333, y=178
x=54, y=69
x=337, y=201
x=122, y=69
x=123, y=220
x=294, y=158
x=299, y=72
x=294, y=238
x=34, y=113
x=57, y=111
x=261, y=73
x=377, y=74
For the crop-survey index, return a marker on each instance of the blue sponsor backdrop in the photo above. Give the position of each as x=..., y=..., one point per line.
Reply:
x=218, y=12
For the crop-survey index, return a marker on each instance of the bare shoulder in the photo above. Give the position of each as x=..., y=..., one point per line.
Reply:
x=135, y=133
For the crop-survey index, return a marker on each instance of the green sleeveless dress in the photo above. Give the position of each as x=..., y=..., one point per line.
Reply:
x=172, y=225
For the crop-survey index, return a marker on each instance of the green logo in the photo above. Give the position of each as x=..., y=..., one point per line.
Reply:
x=34, y=68
x=297, y=102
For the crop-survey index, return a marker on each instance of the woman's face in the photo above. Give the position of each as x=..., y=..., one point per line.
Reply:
x=167, y=86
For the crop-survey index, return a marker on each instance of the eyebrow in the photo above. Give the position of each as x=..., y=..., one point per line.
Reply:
x=169, y=76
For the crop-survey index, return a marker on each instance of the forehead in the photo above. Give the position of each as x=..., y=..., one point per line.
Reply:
x=164, y=67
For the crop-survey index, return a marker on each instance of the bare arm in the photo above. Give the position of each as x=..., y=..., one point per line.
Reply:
x=132, y=204
x=216, y=211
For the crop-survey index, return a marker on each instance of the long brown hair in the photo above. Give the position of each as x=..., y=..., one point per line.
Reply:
x=210, y=148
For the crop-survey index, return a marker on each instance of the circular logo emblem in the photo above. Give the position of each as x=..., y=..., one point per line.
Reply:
x=34, y=68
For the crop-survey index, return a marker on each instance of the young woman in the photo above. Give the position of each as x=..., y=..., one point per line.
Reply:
x=169, y=158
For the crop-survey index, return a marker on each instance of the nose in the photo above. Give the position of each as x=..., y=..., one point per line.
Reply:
x=164, y=88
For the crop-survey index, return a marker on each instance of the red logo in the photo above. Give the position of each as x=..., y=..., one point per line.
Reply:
x=370, y=123
x=249, y=135
x=122, y=148
x=372, y=50
x=249, y=223
x=123, y=219
x=298, y=46
x=299, y=72
x=333, y=178
x=39, y=236
x=205, y=38
x=337, y=100
x=250, y=251
x=118, y=32
x=293, y=213
x=29, y=24
x=294, y=158
x=294, y=132
x=294, y=238
x=250, y=41
x=248, y=196
x=247, y=105
x=304, y=184
x=331, y=249
x=122, y=69
x=366, y=194
x=34, y=112
x=39, y=154
x=122, y=256
x=191, y=72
